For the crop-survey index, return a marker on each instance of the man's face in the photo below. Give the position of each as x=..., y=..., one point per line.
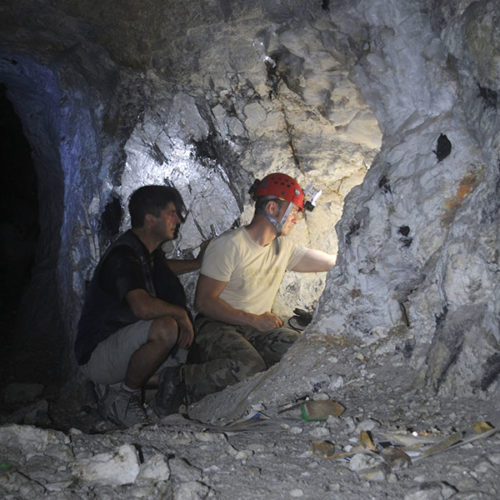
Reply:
x=165, y=226
x=292, y=219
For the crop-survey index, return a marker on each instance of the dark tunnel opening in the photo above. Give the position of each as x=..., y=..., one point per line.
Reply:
x=24, y=358
x=38, y=322
x=19, y=223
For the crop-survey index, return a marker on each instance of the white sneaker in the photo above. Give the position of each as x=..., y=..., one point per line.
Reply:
x=122, y=407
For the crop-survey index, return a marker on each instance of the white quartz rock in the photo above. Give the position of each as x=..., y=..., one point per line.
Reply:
x=190, y=490
x=156, y=469
x=27, y=441
x=114, y=468
x=182, y=472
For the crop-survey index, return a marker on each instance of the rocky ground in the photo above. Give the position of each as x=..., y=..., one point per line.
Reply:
x=382, y=441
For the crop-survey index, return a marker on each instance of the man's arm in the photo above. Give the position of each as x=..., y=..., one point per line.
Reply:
x=314, y=261
x=189, y=265
x=183, y=266
x=210, y=304
x=146, y=307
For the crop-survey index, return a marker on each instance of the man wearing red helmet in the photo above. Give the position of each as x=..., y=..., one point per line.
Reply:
x=237, y=333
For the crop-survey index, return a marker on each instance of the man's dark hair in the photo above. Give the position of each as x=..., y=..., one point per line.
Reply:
x=152, y=200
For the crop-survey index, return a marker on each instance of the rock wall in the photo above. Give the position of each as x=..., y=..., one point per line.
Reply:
x=210, y=95
x=418, y=245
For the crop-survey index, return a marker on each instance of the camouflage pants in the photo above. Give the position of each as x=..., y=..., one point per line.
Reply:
x=227, y=354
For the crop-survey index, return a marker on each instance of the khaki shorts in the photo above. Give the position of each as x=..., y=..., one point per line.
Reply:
x=109, y=361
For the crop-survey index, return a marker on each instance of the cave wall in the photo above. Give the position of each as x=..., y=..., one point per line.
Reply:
x=207, y=95
x=418, y=267
x=213, y=94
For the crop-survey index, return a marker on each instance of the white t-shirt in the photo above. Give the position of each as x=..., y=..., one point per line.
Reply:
x=253, y=273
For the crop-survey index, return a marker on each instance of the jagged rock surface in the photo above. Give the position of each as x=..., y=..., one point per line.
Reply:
x=211, y=95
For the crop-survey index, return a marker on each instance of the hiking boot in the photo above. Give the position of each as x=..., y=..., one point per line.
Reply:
x=122, y=407
x=171, y=392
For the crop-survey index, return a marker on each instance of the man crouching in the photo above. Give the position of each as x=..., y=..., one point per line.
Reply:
x=135, y=312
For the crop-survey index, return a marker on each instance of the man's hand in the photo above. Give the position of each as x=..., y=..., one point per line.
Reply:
x=203, y=247
x=188, y=265
x=186, y=332
x=266, y=321
x=209, y=304
x=146, y=307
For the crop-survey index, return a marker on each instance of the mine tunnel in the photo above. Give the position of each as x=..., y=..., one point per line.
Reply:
x=20, y=230
x=32, y=200
x=389, y=108
x=77, y=221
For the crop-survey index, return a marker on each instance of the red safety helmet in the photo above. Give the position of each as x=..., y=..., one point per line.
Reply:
x=281, y=186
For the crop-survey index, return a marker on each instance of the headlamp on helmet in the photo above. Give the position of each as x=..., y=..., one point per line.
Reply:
x=311, y=195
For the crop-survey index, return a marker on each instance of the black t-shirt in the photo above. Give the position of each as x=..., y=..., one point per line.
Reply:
x=121, y=271
x=127, y=265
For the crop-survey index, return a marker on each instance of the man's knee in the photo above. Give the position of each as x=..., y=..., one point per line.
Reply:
x=165, y=330
x=244, y=367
